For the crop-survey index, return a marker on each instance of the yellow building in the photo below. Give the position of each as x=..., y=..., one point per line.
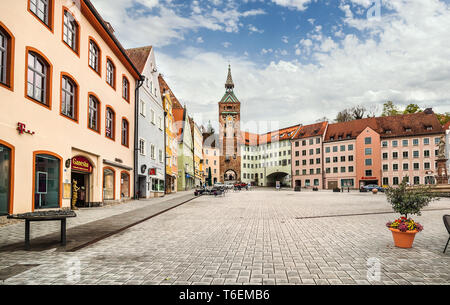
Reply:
x=67, y=108
x=171, y=138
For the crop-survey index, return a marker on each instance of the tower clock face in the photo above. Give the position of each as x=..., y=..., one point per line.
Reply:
x=229, y=119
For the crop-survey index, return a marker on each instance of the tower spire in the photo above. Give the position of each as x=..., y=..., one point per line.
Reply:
x=229, y=85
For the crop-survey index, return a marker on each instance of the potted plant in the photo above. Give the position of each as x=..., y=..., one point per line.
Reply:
x=407, y=201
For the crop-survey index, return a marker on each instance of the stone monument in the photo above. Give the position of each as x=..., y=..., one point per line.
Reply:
x=442, y=175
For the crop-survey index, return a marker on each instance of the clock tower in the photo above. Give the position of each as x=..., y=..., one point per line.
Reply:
x=230, y=134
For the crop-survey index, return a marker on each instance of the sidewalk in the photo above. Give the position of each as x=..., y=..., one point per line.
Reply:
x=90, y=225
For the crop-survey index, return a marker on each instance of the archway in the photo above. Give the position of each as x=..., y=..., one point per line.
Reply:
x=278, y=176
x=230, y=176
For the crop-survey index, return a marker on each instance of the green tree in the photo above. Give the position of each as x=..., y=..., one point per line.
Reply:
x=389, y=109
x=443, y=118
x=406, y=201
x=412, y=108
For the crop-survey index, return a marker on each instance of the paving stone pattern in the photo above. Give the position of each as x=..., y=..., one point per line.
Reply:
x=253, y=238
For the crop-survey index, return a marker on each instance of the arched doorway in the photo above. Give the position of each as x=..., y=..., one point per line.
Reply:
x=278, y=176
x=230, y=176
x=6, y=177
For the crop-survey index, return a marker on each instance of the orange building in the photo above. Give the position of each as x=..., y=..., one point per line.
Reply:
x=67, y=107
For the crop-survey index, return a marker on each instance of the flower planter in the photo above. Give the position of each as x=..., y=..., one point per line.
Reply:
x=403, y=239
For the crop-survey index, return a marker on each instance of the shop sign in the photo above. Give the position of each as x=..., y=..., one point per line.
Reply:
x=21, y=127
x=152, y=171
x=81, y=164
x=369, y=178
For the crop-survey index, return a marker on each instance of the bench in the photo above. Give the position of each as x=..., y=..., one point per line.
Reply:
x=56, y=215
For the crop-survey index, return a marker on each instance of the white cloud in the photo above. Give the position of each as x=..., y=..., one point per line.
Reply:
x=226, y=44
x=254, y=29
x=407, y=62
x=200, y=40
x=295, y=4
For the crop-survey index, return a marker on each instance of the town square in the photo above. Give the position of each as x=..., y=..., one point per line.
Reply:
x=190, y=143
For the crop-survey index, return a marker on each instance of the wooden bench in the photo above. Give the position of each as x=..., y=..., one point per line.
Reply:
x=56, y=215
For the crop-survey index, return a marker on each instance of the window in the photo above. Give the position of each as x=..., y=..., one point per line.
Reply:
x=405, y=143
x=335, y=159
x=317, y=140
x=385, y=156
x=328, y=170
x=368, y=162
x=47, y=187
x=395, y=181
x=152, y=116
x=335, y=148
x=94, y=56
x=70, y=31
x=69, y=98
x=395, y=155
x=385, y=181
x=124, y=185
x=395, y=143
x=327, y=149
x=142, y=147
x=343, y=169
x=42, y=9
x=327, y=160
x=426, y=141
x=142, y=107
x=125, y=133
x=426, y=165
x=160, y=155
x=416, y=154
x=152, y=151
x=395, y=167
x=416, y=166
x=335, y=170
x=38, y=79
x=342, y=158
x=437, y=140
x=110, y=123
x=415, y=142
x=416, y=180
x=385, y=167
x=350, y=158
x=384, y=144
x=351, y=169
x=350, y=147
x=405, y=155
x=426, y=153
x=125, y=89
x=368, y=141
x=317, y=151
x=405, y=166
x=342, y=147
x=6, y=52
x=369, y=173
x=94, y=114
x=368, y=151
x=109, y=184
x=110, y=73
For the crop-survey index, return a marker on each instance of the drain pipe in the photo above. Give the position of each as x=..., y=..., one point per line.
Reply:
x=139, y=84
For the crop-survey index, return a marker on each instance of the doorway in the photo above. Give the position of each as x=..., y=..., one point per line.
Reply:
x=5, y=179
x=80, y=187
x=332, y=185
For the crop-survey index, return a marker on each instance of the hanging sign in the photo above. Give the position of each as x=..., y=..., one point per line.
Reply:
x=152, y=171
x=81, y=164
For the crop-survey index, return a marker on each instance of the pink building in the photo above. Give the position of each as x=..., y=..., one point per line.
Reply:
x=307, y=156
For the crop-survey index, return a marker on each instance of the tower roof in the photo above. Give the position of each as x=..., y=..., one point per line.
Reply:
x=229, y=85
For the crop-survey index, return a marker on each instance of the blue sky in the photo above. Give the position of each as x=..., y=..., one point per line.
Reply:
x=293, y=61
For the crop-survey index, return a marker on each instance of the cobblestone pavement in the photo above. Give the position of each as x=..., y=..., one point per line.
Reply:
x=255, y=237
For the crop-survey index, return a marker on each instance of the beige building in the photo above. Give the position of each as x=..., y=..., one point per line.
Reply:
x=211, y=156
x=67, y=94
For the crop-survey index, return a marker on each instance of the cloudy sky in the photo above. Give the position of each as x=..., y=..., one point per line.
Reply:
x=293, y=61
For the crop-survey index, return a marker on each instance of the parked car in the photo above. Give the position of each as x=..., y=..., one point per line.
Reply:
x=370, y=187
x=229, y=186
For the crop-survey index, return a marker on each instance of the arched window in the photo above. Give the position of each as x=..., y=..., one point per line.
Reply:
x=43, y=10
x=125, y=133
x=94, y=113
x=69, y=98
x=111, y=73
x=110, y=123
x=6, y=55
x=70, y=31
x=94, y=56
x=109, y=184
x=38, y=78
x=125, y=89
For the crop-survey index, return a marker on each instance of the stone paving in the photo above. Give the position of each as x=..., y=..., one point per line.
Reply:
x=255, y=237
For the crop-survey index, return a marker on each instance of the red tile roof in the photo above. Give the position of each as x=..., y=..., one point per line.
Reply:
x=312, y=130
x=139, y=57
x=421, y=123
x=252, y=139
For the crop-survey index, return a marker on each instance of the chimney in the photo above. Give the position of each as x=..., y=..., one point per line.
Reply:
x=429, y=111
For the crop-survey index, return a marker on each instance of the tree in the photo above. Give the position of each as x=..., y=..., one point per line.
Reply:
x=443, y=118
x=322, y=119
x=389, y=109
x=344, y=116
x=406, y=201
x=412, y=108
x=358, y=112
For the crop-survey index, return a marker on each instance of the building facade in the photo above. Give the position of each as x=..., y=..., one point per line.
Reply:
x=185, y=180
x=267, y=158
x=307, y=154
x=151, y=169
x=171, y=138
x=211, y=157
x=68, y=89
x=197, y=140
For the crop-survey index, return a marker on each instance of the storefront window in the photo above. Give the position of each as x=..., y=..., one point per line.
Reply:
x=108, y=184
x=47, y=182
x=5, y=179
x=125, y=185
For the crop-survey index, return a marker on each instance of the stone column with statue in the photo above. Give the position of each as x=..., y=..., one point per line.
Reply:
x=442, y=175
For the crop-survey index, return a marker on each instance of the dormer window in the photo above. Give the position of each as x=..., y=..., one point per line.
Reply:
x=429, y=128
x=332, y=138
x=388, y=131
x=407, y=129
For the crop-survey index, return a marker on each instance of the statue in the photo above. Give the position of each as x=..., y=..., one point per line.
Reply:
x=441, y=153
